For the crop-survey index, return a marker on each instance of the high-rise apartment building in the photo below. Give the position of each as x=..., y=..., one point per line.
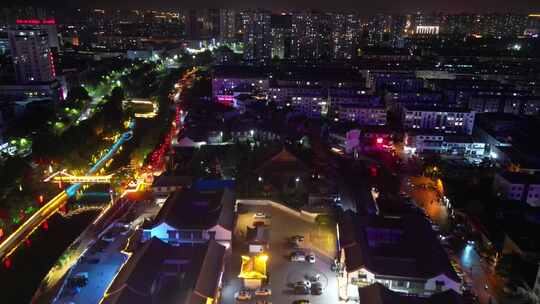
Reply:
x=192, y=24
x=33, y=48
x=311, y=36
x=257, y=37
x=345, y=35
x=281, y=36
x=228, y=26
x=201, y=23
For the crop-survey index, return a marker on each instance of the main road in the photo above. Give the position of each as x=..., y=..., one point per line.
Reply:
x=479, y=274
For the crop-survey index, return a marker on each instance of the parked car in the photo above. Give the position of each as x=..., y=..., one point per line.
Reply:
x=302, y=290
x=258, y=223
x=78, y=280
x=303, y=283
x=263, y=292
x=93, y=260
x=314, y=278
x=243, y=295
x=299, y=238
x=73, y=291
x=316, y=291
x=295, y=244
x=317, y=284
x=108, y=237
x=260, y=215
x=298, y=256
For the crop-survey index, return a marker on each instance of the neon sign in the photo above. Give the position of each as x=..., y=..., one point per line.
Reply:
x=227, y=100
x=223, y=98
x=35, y=21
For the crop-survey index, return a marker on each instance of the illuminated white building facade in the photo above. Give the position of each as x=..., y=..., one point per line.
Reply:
x=448, y=120
x=427, y=30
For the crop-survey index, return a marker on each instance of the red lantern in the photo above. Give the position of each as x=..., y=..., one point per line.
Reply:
x=373, y=171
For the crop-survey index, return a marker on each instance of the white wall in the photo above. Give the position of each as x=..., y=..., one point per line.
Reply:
x=223, y=236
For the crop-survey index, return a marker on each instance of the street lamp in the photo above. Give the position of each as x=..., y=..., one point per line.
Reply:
x=260, y=179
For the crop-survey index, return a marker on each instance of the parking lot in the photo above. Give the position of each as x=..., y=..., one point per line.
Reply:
x=284, y=223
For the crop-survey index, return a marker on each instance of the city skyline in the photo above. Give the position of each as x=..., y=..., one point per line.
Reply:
x=364, y=7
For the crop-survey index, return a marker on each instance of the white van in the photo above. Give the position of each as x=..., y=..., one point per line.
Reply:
x=298, y=256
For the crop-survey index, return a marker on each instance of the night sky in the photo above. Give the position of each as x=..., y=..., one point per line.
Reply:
x=367, y=6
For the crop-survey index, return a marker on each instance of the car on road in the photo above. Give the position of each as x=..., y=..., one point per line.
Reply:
x=260, y=215
x=338, y=205
x=445, y=242
x=263, y=292
x=466, y=287
x=243, y=295
x=310, y=258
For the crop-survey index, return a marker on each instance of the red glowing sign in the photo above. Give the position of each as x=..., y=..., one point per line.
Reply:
x=222, y=98
x=35, y=21
x=227, y=100
x=373, y=171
